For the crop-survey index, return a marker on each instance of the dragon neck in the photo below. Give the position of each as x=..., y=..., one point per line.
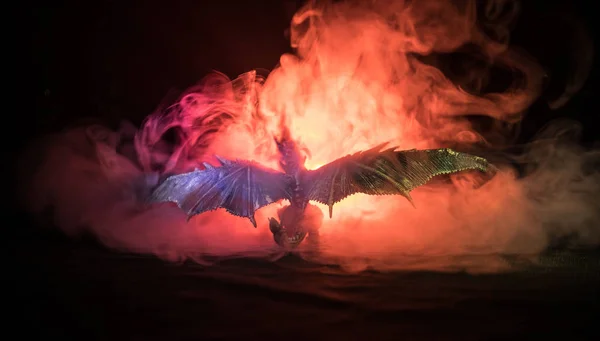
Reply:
x=290, y=158
x=292, y=163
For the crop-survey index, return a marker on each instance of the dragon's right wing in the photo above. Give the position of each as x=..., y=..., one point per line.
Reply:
x=386, y=172
x=240, y=187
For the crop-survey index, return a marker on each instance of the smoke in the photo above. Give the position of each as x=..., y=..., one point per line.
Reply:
x=363, y=73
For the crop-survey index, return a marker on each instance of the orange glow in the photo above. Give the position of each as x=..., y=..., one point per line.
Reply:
x=356, y=80
x=354, y=83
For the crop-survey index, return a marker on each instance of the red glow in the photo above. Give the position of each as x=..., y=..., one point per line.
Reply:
x=353, y=84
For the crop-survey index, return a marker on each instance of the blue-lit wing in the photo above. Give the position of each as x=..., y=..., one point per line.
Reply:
x=240, y=187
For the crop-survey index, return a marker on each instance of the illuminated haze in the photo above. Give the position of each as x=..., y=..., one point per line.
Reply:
x=357, y=79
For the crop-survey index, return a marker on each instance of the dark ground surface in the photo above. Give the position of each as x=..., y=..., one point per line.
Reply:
x=116, y=60
x=80, y=291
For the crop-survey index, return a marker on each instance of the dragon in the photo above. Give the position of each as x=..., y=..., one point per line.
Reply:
x=242, y=187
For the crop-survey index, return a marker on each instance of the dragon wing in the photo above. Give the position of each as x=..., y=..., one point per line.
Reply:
x=377, y=172
x=240, y=187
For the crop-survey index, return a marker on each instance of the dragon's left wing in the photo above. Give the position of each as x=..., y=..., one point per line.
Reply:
x=386, y=172
x=240, y=187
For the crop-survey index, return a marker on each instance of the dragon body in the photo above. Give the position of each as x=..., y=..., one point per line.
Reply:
x=242, y=187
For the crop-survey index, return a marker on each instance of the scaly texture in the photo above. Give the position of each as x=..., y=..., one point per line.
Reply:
x=386, y=172
x=243, y=187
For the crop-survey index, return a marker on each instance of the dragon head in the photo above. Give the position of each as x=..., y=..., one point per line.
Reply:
x=295, y=224
x=287, y=235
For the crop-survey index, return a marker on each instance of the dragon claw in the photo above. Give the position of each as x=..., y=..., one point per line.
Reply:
x=409, y=198
x=252, y=220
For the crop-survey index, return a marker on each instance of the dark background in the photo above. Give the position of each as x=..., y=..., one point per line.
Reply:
x=119, y=59
x=116, y=60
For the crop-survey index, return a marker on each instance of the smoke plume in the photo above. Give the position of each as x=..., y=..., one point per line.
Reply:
x=364, y=72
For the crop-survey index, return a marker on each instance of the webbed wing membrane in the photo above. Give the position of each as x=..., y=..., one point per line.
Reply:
x=386, y=172
x=240, y=187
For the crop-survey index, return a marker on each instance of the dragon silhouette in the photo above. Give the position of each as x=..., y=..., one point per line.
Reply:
x=242, y=187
